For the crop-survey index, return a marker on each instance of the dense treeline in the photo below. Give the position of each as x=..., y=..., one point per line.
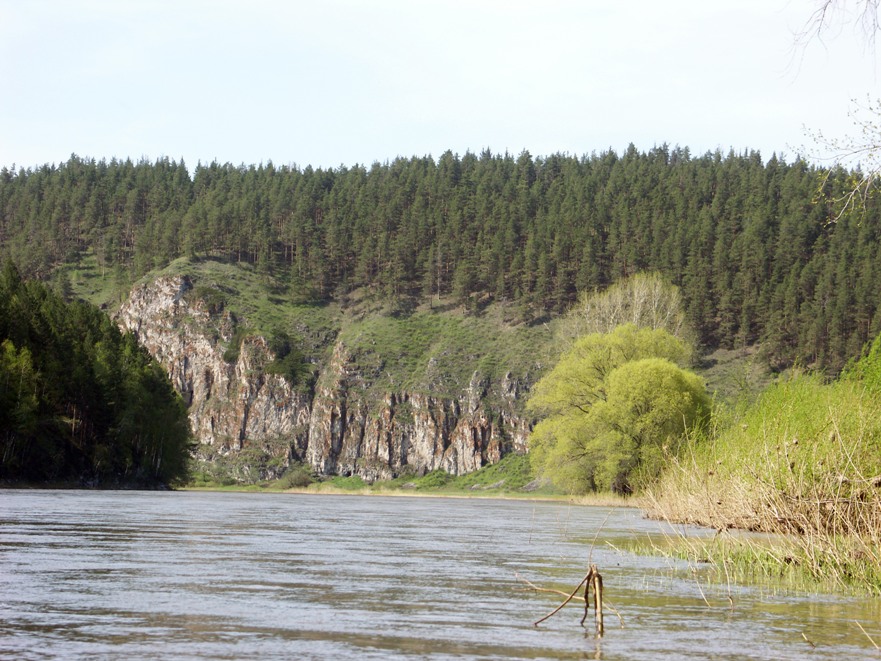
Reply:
x=79, y=401
x=755, y=247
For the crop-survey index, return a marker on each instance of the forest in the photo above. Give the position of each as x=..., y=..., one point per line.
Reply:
x=81, y=403
x=759, y=248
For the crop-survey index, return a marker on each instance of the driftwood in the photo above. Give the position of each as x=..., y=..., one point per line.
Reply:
x=566, y=601
x=593, y=580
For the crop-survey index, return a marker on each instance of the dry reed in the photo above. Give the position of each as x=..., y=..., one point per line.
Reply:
x=819, y=498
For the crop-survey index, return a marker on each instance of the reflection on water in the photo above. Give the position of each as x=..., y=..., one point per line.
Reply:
x=121, y=575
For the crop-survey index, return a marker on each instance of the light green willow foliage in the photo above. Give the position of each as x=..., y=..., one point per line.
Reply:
x=613, y=406
x=646, y=300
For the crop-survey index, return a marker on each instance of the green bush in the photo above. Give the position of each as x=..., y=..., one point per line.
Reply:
x=434, y=480
x=214, y=299
x=614, y=405
x=513, y=471
x=289, y=361
x=803, y=463
x=298, y=476
x=231, y=354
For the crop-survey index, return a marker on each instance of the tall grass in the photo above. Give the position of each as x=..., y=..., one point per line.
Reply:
x=803, y=463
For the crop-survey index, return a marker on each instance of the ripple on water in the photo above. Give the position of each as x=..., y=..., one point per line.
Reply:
x=122, y=575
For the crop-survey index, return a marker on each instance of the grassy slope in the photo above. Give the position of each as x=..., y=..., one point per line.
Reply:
x=98, y=286
x=437, y=348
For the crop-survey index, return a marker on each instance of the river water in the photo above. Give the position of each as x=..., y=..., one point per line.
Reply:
x=196, y=575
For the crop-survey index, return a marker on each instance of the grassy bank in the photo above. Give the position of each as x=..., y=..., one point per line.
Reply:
x=803, y=464
x=512, y=477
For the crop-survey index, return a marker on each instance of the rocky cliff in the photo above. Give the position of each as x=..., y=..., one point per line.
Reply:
x=340, y=425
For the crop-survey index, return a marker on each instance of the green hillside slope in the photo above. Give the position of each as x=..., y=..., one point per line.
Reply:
x=754, y=246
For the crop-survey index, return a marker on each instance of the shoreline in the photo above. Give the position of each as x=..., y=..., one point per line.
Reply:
x=596, y=500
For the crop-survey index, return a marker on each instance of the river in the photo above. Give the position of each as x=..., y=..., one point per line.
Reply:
x=197, y=575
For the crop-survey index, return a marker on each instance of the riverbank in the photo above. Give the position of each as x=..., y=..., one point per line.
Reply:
x=512, y=474
x=802, y=466
x=511, y=478
x=379, y=489
x=90, y=485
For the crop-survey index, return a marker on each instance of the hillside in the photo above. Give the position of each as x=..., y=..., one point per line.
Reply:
x=346, y=388
x=386, y=320
x=756, y=247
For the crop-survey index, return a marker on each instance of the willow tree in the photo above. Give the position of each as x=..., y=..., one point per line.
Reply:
x=646, y=300
x=613, y=407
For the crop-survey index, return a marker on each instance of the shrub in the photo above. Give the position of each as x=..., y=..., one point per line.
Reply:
x=298, y=476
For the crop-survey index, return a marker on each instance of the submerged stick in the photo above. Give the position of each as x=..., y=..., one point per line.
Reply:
x=595, y=580
x=606, y=605
x=566, y=601
x=587, y=585
x=592, y=576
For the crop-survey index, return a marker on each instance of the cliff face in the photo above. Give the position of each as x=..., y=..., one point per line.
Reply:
x=341, y=426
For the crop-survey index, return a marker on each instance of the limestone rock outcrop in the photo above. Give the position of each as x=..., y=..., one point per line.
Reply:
x=338, y=427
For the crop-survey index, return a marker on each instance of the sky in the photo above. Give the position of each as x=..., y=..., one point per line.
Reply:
x=343, y=82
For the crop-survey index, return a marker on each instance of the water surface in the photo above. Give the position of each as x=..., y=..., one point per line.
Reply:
x=195, y=575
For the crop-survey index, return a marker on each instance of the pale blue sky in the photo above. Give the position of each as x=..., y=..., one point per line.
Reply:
x=335, y=82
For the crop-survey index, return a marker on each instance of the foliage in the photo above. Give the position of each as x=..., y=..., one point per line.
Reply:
x=234, y=348
x=615, y=404
x=579, y=379
x=347, y=482
x=510, y=474
x=867, y=370
x=804, y=461
x=734, y=375
x=252, y=465
x=433, y=480
x=438, y=351
x=289, y=361
x=800, y=433
x=748, y=242
x=213, y=299
x=298, y=476
x=646, y=300
x=79, y=401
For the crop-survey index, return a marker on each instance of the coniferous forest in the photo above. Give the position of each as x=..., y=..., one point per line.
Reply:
x=759, y=248
x=81, y=403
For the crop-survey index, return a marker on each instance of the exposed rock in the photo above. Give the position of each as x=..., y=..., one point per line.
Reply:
x=340, y=428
